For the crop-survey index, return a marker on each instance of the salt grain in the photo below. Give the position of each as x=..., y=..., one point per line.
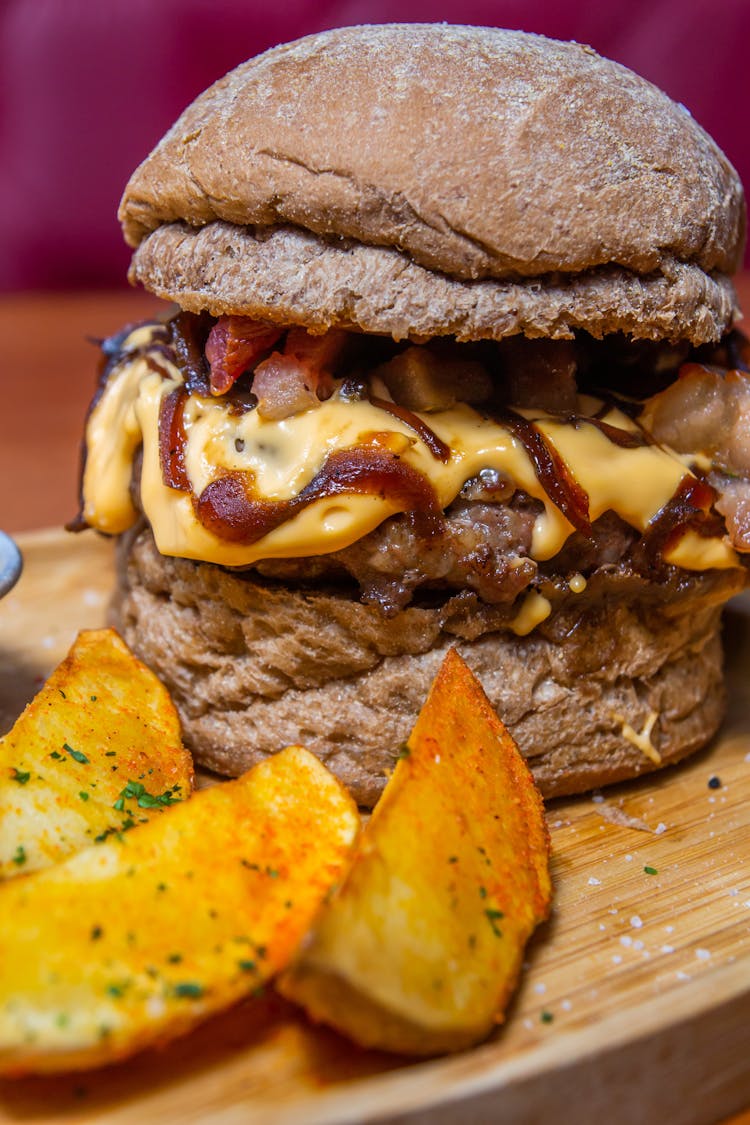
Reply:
x=703, y=954
x=660, y=828
x=594, y=882
x=636, y=922
x=667, y=949
x=540, y=988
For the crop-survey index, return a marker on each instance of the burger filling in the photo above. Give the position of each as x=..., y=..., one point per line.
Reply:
x=514, y=471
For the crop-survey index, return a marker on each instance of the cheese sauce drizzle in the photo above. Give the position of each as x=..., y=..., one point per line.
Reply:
x=221, y=484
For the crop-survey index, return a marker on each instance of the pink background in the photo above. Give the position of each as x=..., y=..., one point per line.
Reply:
x=88, y=86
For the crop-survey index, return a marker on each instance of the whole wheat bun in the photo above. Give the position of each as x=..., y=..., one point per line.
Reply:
x=423, y=179
x=419, y=181
x=253, y=666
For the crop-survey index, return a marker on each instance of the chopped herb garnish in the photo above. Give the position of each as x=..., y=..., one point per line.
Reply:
x=546, y=1017
x=136, y=791
x=650, y=870
x=116, y=990
x=83, y=795
x=452, y=859
x=62, y=1019
x=161, y=886
x=76, y=755
x=483, y=892
x=96, y=933
x=249, y=865
x=246, y=966
x=110, y=754
x=93, y=699
x=20, y=776
x=19, y=856
x=493, y=916
x=56, y=755
x=188, y=990
x=174, y=958
x=404, y=752
x=62, y=693
x=272, y=872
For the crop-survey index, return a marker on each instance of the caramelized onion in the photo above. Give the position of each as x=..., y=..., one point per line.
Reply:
x=552, y=473
x=228, y=508
x=172, y=439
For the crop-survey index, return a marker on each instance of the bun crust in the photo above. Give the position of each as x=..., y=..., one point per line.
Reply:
x=255, y=666
x=288, y=276
x=479, y=152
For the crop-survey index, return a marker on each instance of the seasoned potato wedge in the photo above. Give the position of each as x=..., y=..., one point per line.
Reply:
x=420, y=949
x=97, y=750
x=135, y=940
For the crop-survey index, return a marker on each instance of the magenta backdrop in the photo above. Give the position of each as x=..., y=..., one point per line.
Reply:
x=88, y=86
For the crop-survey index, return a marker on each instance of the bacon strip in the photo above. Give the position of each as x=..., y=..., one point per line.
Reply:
x=235, y=344
x=299, y=377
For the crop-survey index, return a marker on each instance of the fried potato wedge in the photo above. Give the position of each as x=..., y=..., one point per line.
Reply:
x=421, y=947
x=135, y=940
x=97, y=750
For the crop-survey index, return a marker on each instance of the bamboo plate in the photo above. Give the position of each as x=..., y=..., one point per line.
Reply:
x=635, y=1002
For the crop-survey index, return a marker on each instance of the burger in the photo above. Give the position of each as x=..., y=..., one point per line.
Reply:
x=450, y=360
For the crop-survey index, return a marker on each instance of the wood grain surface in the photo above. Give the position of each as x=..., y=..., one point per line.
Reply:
x=634, y=1005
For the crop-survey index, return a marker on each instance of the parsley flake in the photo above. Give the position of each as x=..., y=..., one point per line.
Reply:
x=20, y=776
x=650, y=870
x=188, y=990
x=76, y=755
x=19, y=856
x=493, y=916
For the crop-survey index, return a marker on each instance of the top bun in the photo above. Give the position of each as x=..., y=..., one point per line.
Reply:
x=506, y=163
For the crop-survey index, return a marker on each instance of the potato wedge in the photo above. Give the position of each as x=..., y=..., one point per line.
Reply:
x=135, y=940
x=421, y=947
x=97, y=750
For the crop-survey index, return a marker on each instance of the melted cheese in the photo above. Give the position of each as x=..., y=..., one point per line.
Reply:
x=535, y=608
x=284, y=456
x=641, y=739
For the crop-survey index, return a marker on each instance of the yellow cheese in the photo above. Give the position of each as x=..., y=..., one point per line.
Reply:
x=284, y=456
x=535, y=608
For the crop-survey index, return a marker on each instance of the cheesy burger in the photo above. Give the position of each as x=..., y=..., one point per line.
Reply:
x=451, y=360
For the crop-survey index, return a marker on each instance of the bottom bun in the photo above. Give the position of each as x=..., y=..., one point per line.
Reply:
x=615, y=683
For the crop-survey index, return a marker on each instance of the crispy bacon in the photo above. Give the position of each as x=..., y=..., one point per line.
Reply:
x=299, y=377
x=234, y=344
x=734, y=505
x=705, y=411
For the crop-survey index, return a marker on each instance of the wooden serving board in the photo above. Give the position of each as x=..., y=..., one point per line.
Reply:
x=635, y=1003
